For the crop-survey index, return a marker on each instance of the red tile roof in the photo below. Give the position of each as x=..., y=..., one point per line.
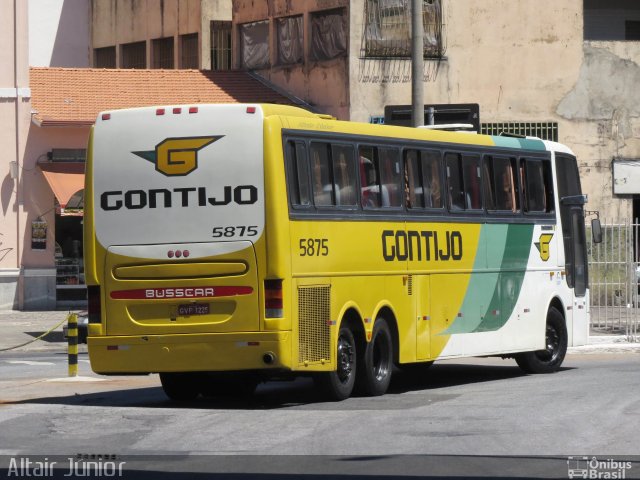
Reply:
x=75, y=96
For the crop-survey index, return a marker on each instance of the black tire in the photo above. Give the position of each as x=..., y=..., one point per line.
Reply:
x=376, y=362
x=338, y=385
x=181, y=387
x=550, y=359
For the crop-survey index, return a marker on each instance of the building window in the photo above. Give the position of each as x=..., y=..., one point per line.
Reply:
x=614, y=20
x=134, y=55
x=328, y=34
x=387, y=32
x=290, y=40
x=163, y=52
x=254, y=44
x=220, y=45
x=189, y=51
x=104, y=57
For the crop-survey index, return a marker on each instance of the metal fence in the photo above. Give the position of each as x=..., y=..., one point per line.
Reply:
x=613, y=279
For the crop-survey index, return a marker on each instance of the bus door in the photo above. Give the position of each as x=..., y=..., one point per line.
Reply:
x=572, y=217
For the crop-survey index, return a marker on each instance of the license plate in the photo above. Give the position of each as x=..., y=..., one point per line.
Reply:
x=193, y=309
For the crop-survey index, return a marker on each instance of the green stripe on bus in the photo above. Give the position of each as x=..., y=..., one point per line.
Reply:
x=510, y=279
x=492, y=295
x=513, y=142
x=482, y=288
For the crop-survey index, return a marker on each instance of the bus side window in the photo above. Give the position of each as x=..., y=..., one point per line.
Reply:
x=298, y=183
x=537, y=186
x=369, y=190
x=380, y=177
x=413, y=178
x=488, y=183
x=502, y=186
x=454, y=181
x=389, y=166
x=321, y=174
x=344, y=178
x=431, y=178
x=472, y=180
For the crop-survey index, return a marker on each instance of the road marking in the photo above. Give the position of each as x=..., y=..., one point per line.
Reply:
x=28, y=362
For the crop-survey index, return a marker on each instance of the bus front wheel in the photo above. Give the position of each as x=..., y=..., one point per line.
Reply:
x=376, y=364
x=180, y=386
x=549, y=359
x=338, y=385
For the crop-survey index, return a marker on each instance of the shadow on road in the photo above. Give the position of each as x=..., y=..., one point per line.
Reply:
x=436, y=384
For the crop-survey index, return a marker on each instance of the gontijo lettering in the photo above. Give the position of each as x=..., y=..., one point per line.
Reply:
x=418, y=245
x=184, y=197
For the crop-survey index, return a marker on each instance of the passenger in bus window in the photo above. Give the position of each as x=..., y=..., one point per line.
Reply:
x=413, y=189
x=432, y=185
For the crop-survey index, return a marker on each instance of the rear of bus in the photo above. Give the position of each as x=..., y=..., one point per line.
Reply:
x=174, y=234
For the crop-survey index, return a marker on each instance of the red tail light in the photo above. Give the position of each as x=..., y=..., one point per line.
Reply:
x=273, y=299
x=93, y=303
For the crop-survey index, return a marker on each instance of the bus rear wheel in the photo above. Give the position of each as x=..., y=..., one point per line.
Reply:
x=338, y=385
x=550, y=359
x=376, y=362
x=181, y=387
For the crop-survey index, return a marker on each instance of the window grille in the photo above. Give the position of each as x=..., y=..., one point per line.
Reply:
x=189, y=51
x=542, y=130
x=163, y=52
x=104, y=57
x=387, y=29
x=134, y=55
x=220, y=45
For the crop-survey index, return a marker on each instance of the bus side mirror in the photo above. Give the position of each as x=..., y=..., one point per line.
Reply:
x=596, y=230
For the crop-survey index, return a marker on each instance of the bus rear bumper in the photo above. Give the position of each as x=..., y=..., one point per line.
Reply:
x=187, y=353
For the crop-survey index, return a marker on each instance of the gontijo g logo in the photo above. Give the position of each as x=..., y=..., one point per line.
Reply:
x=177, y=156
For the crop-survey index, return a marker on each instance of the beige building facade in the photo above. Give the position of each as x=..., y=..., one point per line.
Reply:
x=568, y=69
x=15, y=117
x=161, y=34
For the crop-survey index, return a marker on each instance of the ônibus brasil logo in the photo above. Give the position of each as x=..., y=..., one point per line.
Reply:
x=177, y=156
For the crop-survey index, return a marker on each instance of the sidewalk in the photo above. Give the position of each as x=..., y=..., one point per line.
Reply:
x=20, y=327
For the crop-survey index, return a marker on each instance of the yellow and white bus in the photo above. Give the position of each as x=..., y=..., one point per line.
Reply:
x=227, y=244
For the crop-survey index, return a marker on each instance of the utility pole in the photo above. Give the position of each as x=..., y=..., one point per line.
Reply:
x=417, y=64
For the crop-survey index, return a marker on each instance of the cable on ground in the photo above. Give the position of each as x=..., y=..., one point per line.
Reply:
x=37, y=338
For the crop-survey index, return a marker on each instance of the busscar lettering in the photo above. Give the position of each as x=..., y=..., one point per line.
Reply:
x=179, y=292
x=424, y=245
x=178, y=197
